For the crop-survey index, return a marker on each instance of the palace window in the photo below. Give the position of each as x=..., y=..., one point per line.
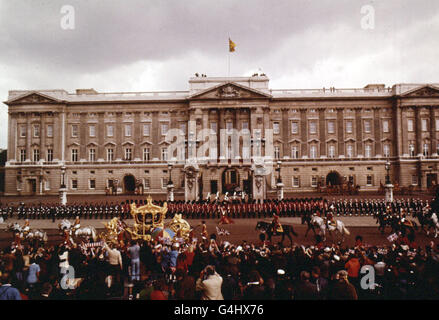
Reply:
x=23, y=131
x=74, y=183
x=110, y=130
x=276, y=128
x=49, y=131
x=92, y=155
x=369, y=180
x=314, y=181
x=164, y=128
x=146, y=183
x=128, y=130
x=146, y=154
x=349, y=126
x=229, y=127
x=385, y=126
x=410, y=125
x=213, y=126
x=92, y=184
x=74, y=155
x=331, y=127
x=75, y=130
x=367, y=126
x=368, y=151
x=49, y=155
x=164, y=182
x=146, y=129
x=425, y=150
x=312, y=127
x=183, y=128
x=411, y=150
x=296, y=181
x=294, y=127
x=414, y=180
x=110, y=154
x=128, y=153
x=22, y=155
x=386, y=150
x=164, y=154
x=92, y=131
x=313, y=152
x=331, y=151
x=276, y=152
x=36, y=155
x=36, y=128
x=294, y=152
x=350, y=151
x=424, y=125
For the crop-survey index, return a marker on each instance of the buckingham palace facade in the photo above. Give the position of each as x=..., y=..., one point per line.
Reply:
x=99, y=141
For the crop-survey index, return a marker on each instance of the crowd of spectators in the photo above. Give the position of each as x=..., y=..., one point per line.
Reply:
x=215, y=270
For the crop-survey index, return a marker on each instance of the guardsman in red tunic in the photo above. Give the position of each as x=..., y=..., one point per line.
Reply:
x=276, y=224
x=224, y=219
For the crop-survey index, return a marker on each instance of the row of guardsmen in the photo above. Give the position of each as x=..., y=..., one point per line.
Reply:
x=204, y=209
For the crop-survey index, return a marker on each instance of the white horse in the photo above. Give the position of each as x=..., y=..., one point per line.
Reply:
x=434, y=224
x=86, y=232
x=321, y=223
x=27, y=233
x=37, y=235
x=77, y=231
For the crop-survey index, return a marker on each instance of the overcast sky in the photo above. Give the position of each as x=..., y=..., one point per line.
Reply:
x=148, y=45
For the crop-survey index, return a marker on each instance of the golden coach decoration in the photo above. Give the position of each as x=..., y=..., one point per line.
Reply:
x=180, y=226
x=113, y=230
x=146, y=219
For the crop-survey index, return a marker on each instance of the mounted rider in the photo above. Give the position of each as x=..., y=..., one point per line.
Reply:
x=330, y=221
x=77, y=223
x=277, y=227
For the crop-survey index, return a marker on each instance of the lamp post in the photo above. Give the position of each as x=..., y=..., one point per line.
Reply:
x=63, y=188
x=170, y=185
x=388, y=185
x=279, y=184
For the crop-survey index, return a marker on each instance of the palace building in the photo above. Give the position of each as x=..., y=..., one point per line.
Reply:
x=99, y=141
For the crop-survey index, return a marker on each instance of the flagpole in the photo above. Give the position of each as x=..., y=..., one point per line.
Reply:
x=229, y=55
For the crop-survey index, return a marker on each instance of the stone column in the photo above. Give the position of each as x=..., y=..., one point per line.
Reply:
x=322, y=132
x=84, y=133
x=155, y=135
x=285, y=133
x=433, y=129
x=101, y=133
x=418, y=131
x=137, y=136
x=42, y=136
x=303, y=133
x=13, y=133
x=359, y=131
x=377, y=131
x=28, y=136
x=340, y=132
x=119, y=133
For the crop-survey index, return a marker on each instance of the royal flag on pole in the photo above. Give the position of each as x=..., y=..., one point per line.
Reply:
x=232, y=46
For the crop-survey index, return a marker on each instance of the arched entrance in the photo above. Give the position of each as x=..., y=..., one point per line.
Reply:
x=129, y=183
x=333, y=179
x=230, y=180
